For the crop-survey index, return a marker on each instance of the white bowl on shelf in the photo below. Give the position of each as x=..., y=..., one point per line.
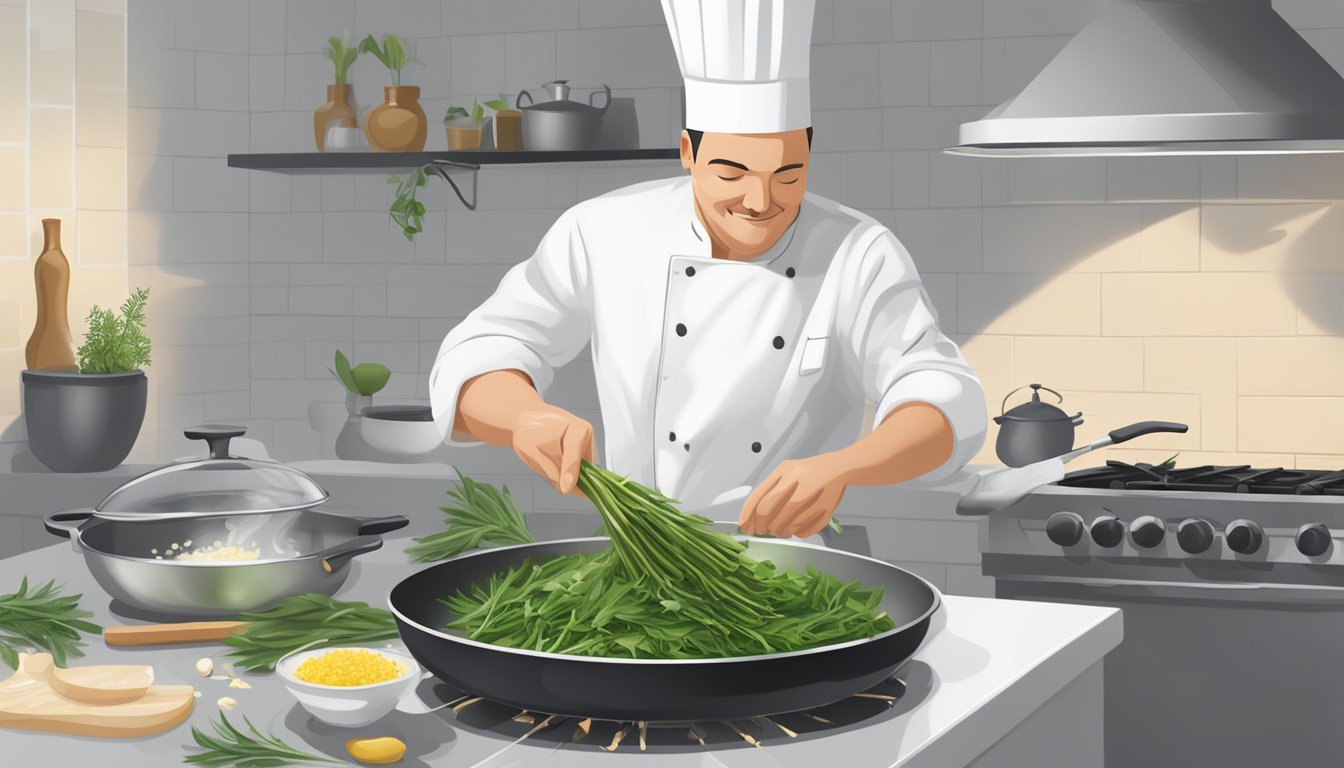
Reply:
x=405, y=430
x=349, y=706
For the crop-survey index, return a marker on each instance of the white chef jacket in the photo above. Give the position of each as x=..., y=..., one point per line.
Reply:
x=710, y=372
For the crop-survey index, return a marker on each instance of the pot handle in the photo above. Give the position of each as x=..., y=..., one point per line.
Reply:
x=64, y=524
x=335, y=558
x=1124, y=434
x=217, y=436
x=1035, y=391
x=518, y=102
x=369, y=526
x=602, y=109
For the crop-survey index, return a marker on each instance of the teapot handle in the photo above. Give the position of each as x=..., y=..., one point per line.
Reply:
x=518, y=102
x=1003, y=407
x=605, y=89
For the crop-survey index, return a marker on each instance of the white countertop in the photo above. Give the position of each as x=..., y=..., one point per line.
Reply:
x=986, y=666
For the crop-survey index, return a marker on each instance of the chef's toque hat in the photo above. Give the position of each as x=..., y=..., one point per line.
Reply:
x=745, y=63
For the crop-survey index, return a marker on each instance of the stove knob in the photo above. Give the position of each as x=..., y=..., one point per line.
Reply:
x=1107, y=531
x=1147, y=531
x=1194, y=535
x=1065, y=528
x=1313, y=539
x=1244, y=536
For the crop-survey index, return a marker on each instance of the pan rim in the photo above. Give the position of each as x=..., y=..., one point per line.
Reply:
x=934, y=605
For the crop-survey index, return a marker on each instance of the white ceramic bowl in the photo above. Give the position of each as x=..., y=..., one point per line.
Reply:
x=398, y=429
x=348, y=706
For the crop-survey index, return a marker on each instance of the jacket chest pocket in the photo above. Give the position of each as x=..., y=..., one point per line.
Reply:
x=813, y=358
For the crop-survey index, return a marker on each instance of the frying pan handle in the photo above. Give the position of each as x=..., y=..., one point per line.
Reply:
x=65, y=523
x=1142, y=428
x=374, y=525
x=335, y=558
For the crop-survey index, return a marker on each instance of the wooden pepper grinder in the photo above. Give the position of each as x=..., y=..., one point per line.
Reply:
x=50, y=347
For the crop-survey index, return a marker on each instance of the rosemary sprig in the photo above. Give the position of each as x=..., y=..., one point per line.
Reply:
x=254, y=749
x=42, y=619
x=306, y=621
x=482, y=514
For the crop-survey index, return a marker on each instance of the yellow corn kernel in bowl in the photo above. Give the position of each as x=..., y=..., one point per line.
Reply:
x=347, y=667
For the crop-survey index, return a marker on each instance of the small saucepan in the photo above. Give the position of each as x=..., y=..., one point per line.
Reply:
x=218, y=536
x=1035, y=430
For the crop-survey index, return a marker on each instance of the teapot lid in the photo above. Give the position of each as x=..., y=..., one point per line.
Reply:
x=1036, y=409
x=217, y=485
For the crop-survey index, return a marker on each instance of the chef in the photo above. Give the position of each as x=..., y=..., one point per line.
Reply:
x=737, y=324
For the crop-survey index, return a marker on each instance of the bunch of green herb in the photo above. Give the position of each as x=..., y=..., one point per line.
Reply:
x=477, y=112
x=482, y=514
x=43, y=619
x=391, y=53
x=231, y=746
x=303, y=622
x=406, y=211
x=116, y=344
x=364, y=379
x=669, y=587
x=342, y=55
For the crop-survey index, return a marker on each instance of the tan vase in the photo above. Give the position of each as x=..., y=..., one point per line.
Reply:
x=337, y=110
x=509, y=129
x=463, y=136
x=398, y=124
x=50, y=348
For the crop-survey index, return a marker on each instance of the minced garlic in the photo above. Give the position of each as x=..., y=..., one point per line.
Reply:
x=348, y=667
x=221, y=554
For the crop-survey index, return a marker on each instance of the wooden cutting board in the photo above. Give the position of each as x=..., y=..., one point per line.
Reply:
x=29, y=702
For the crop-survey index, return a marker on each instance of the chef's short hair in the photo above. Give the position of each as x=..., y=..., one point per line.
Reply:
x=696, y=136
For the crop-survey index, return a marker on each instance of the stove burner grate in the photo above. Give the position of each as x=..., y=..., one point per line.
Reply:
x=1240, y=478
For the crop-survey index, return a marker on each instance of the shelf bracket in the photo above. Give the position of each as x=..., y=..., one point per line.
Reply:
x=443, y=169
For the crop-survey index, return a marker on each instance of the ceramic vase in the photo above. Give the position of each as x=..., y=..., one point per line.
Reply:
x=50, y=347
x=398, y=124
x=336, y=111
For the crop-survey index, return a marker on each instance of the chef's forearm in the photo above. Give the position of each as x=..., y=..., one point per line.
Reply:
x=915, y=438
x=488, y=405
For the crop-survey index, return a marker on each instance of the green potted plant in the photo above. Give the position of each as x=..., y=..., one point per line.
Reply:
x=337, y=111
x=398, y=124
x=465, y=127
x=88, y=421
x=407, y=212
x=361, y=382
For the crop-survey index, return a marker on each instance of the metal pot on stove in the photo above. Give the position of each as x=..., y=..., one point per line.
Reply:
x=218, y=535
x=1034, y=431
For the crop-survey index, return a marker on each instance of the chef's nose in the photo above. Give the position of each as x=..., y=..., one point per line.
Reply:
x=757, y=197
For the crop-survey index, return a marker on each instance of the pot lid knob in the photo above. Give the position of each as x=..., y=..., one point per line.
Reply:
x=217, y=436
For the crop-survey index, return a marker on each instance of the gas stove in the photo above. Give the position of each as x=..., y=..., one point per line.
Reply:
x=1236, y=514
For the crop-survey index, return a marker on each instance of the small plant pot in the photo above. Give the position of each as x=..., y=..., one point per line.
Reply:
x=399, y=123
x=509, y=129
x=83, y=422
x=462, y=134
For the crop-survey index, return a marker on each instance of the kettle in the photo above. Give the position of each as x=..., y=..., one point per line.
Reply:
x=1034, y=431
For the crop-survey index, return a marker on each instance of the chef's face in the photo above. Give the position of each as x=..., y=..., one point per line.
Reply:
x=748, y=186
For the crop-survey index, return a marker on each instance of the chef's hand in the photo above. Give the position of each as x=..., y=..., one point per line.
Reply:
x=552, y=441
x=797, y=499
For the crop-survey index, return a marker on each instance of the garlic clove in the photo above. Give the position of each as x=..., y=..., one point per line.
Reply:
x=204, y=667
x=238, y=682
x=227, y=702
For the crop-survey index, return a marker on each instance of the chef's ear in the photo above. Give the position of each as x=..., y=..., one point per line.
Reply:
x=687, y=151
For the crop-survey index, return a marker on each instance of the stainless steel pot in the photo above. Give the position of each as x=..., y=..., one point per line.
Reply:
x=1034, y=431
x=132, y=540
x=562, y=124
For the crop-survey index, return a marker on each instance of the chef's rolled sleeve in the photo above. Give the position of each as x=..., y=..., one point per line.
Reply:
x=536, y=321
x=899, y=353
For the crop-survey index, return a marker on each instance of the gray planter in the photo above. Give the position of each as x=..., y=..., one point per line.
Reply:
x=83, y=422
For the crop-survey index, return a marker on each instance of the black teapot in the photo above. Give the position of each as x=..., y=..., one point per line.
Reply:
x=1034, y=431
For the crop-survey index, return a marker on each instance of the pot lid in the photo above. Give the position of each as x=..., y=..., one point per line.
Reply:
x=1036, y=409
x=217, y=485
x=560, y=100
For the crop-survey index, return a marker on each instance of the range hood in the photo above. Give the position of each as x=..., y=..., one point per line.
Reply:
x=1172, y=77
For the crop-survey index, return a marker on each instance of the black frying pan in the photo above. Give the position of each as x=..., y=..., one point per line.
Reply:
x=633, y=690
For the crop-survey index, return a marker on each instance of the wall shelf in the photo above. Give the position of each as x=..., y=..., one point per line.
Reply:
x=394, y=162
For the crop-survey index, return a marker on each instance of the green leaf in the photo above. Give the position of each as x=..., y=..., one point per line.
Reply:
x=370, y=377
x=343, y=372
x=477, y=113
x=453, y=113
x=499, y=105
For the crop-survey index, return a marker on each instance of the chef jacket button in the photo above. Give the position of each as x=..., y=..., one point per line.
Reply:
x=687, y=446
x=755, y=447
x=690, y=271
x=672, y=436
x=681, y=329
x=779, y=342
x=789, y=272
